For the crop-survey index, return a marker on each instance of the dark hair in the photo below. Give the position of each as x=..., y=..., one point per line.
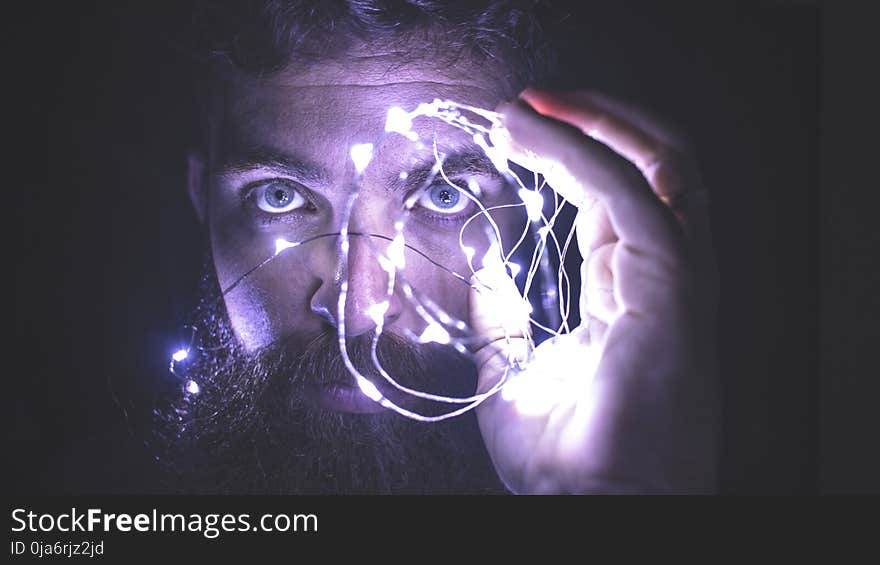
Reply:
x=262, y=37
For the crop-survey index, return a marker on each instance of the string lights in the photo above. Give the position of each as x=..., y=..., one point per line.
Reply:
x=518, y=381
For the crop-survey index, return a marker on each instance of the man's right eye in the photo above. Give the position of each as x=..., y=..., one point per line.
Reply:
x=277, y=196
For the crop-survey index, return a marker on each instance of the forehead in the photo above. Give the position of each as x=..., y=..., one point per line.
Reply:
x=326, y=107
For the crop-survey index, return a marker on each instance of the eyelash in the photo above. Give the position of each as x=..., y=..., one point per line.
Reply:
x=266, y=218
x=469, y=211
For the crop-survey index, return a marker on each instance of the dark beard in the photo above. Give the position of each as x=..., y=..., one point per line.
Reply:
x=249, y=430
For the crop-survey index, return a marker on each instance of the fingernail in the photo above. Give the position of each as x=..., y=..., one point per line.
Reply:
x=531, y=91
x=508, y=105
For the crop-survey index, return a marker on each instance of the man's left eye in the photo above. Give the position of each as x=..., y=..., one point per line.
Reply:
x=444, y=199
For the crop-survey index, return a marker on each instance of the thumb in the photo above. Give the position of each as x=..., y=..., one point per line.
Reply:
x=499, y=316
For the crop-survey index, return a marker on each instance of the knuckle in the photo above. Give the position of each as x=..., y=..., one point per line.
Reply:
x=601, y=121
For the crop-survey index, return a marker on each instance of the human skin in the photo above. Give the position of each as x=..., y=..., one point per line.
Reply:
x=310, y=118
x=639, y=407
x=646, y=419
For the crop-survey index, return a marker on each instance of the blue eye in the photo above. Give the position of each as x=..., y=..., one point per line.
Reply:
x=277, y=197
x=444, y=199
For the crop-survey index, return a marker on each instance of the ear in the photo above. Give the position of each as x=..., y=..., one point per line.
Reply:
x=196, y=187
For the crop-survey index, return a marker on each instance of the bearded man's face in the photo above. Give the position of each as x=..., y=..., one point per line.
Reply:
x=278, y=410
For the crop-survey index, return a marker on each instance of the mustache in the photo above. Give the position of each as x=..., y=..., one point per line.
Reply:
x=251, y=429
x=280, y=373
x=320, y=360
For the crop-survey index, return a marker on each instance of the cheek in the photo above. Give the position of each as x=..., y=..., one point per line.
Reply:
x=236, y=245
x=442, y=246
x=236, y=251
x=270, y=301
x=449, y=293
x=435, y=281
x=250, y=318
x=274, y=302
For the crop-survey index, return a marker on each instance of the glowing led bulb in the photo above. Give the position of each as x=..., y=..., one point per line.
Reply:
x=395, y=252
x=192, y=387
x=498, y=158
x=493, y=259
x=361, y=155
x=369, y=389
x=399, y=121
x=281, y=244
x=474, y=187
x=532, y=394
x=434, y=333
x=377, y=312
x=514, y=268
x=533, y=201
x=180, y=355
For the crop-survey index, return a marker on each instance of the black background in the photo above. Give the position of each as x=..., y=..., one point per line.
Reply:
x=773, y=94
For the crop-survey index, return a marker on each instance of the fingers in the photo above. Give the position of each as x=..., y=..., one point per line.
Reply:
x=582, y=112
x=660, y=153
x=497, y=309
x=597, y=285
x=581, y=168
x=500, y=317
x=593, y=228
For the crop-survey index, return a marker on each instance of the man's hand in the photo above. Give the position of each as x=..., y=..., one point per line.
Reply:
x=628, y=401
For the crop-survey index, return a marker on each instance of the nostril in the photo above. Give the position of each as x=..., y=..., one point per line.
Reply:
x=323, y=302
x=360, y=309
x=364, y=282
x=324, y=313
x=393, y=312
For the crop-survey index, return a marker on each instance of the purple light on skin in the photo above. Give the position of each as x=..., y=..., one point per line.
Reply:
x=508, y=306
x=545, y=381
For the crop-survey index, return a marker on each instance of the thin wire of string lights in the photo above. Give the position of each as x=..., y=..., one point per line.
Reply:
x=514, y=313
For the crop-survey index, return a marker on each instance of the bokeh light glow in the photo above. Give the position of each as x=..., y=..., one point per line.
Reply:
x=534, y=383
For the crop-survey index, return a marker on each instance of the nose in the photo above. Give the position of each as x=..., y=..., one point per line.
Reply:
x=366, y=285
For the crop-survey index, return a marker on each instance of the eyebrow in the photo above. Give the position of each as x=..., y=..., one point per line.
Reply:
x=468, y=159
x=267, y=158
